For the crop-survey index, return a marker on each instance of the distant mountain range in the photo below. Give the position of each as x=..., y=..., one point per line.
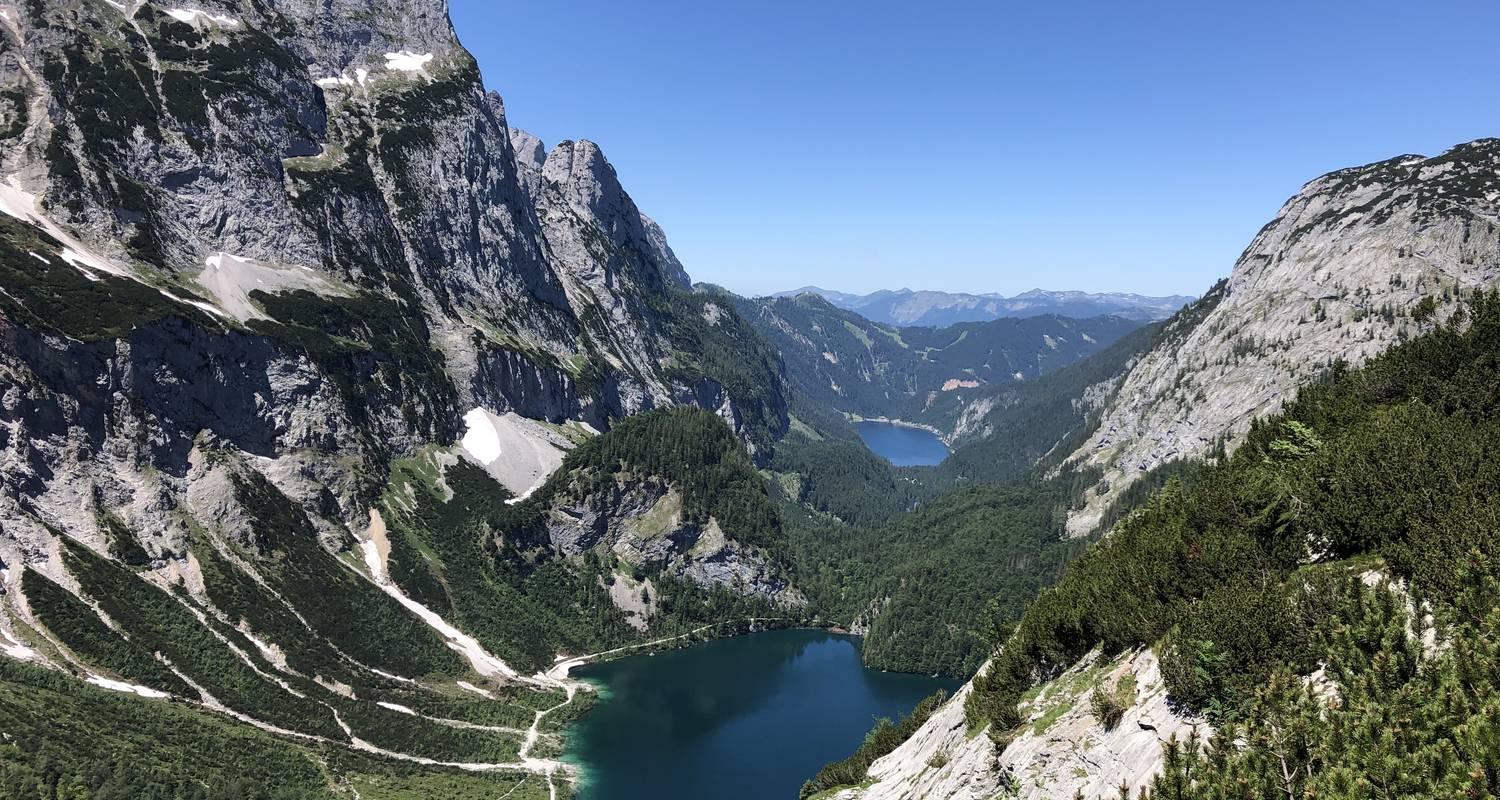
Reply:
x=908, y=308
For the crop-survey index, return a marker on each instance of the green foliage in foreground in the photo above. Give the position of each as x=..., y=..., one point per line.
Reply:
x=328, y=595
x=66, y=740
x=1400, y=459
x=881, y=740
x=522, y=605
x=1396, y=723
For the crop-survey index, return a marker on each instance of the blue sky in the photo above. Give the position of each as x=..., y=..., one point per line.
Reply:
x=983, y=146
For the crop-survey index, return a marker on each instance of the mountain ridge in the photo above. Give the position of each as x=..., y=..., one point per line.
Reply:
x=1407, y=248
x=924, y=308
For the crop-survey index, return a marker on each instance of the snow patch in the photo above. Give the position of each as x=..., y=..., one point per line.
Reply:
x=85, y=262
x=192, y=16
x=13, y=648
x=407, y=61
x=481, y=439
x=469, y=687
x=531, y=450
x=129, y=688
x=361, y=77
x=396, y=708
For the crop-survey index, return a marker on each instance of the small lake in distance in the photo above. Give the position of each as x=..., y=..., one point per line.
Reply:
x=902, y=445
x=746, y=718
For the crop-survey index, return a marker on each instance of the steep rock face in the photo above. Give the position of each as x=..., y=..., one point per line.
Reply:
x=612, y=259
x=1062, y=749
x=1335, y=276
x=300, y=231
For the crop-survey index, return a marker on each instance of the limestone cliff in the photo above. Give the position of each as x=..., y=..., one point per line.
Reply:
x=271, y=275
x=1336, y=276
x=1060, y=750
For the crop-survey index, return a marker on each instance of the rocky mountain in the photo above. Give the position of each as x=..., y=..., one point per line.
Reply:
x=837, y=360
x=1336, y=276
x=296, y=328
x=1089, y=689
x=905, y=307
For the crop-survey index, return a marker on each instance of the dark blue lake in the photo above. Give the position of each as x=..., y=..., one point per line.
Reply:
x=747, y=718
x=902, y=445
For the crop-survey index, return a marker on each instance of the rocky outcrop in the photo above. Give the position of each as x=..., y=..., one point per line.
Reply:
x=640, y=521
x=1334, y=277
x=1061, y=749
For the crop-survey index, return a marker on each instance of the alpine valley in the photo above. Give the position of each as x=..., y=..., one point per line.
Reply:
x=340, y=420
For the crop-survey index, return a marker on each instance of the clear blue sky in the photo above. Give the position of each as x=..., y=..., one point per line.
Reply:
x=983, y=146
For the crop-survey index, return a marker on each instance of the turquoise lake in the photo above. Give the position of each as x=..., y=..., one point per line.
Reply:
x=746, y=718
x=902, y=445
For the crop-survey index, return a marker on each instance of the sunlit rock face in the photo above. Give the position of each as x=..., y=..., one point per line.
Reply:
x=335, y=245
x=1333, y=277
x=1060, y=750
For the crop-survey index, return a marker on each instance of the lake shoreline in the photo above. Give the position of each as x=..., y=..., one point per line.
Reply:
x=563, y=665
x=902, y=423
x=739, y=718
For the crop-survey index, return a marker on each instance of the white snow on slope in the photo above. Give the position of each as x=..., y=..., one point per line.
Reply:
x=481, y=439
x=192, y=16
x=361, y=76
x=129, y=688
x=85, y=263
x=15, y=649
x=407, y=61
x=518, y=452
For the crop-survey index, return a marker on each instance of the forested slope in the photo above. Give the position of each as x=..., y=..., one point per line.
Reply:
x=1325, y=599
x=840, y=361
